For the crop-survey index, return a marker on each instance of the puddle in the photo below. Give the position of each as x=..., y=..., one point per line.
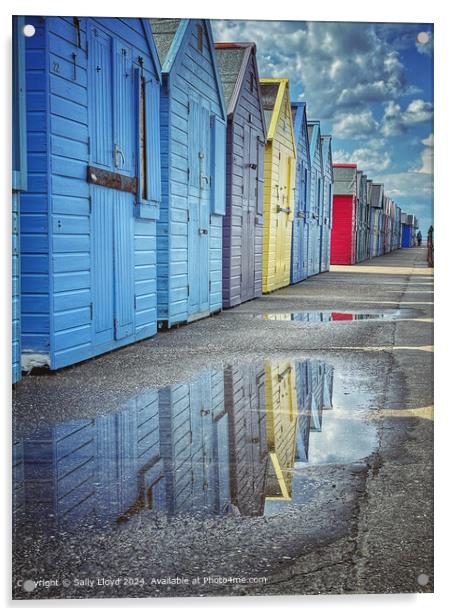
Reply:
x=328, y=316
x=226, y=441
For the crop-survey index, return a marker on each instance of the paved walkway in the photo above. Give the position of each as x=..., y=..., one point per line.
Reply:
x=367, y=525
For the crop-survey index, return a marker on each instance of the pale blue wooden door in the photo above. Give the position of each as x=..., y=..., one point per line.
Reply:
x=198, y=206
x=112, y=148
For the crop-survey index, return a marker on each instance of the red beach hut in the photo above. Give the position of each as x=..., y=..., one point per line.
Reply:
x=343, y=233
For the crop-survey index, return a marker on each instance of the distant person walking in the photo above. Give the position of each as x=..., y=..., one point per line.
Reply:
x=419, y=238
x=430, y=246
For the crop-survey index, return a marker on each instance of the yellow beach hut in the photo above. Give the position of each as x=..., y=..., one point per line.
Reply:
x=279, y=182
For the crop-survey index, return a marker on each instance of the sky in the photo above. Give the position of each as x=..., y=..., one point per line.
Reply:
x=371, y=87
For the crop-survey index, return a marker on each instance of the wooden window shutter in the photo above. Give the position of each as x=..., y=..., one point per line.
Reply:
x=153, y=166
x=218, y=169
x=260, y=177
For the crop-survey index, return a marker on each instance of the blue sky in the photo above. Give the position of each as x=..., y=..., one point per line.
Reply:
x=370, y=85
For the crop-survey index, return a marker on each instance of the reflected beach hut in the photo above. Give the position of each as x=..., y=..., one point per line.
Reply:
x=244, y=391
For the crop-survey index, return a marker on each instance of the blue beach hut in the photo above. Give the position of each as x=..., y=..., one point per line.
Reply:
x=19, y=179
x=88, y=220
x=326, y=221
x=300, y=230
x=316, y=197
x=193, y=142
x=194, y=447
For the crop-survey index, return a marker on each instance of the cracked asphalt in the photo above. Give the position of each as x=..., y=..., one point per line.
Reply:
x=361, y=525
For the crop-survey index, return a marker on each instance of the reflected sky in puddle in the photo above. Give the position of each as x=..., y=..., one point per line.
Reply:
x=328, y=316
x=226, y=441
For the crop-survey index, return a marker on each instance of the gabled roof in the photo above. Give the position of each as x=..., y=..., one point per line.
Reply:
x=152, y=47
x=164, y=31
x=274, y=92
x=233, y=60
x=315, y=140
x=299, y=120
x=326, y=151
x=169, y=37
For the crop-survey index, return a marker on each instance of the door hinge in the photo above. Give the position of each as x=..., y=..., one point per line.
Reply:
x=89, y=146
x=91, y=311
x=115, y=327
x=210, y=286
x=134, y=302
x=90, y=204
x=188, y=290
x=188, y=215
x=188, y=107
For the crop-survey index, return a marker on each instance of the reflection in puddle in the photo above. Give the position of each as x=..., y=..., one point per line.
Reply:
x=227, y=441
x=326, y=316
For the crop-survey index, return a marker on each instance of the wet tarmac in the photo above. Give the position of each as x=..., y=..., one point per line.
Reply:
x=316, y=316
x=231, y=440
x=237, y=456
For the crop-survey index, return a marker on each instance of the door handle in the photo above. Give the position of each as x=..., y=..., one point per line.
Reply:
x=118, y=152
x=287, y=210
x=202, y=231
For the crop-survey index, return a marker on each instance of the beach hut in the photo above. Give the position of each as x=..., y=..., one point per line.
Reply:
x=193, y=146
x=343, y=234
x=244, y=396
x=19, y=180
x=88, y=220
x=376, y=201
x=300, y=227
x=282, y=416
x=279, y=179
x=304, y=411
x=194, y=445
x=326, y=220
x=368, y=218
x=316, y=194
x=246, y=132
x=361, y=201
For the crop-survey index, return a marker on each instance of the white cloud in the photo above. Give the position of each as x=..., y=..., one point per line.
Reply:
x=428, y=141
x=426, y=163
x=355, y=125
x=340, y=66
x=410, y=184
x=397, y=121
x=370, y=160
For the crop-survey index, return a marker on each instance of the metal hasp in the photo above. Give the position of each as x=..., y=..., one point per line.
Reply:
x=246, y=132
x=110, y=179
x=279, y=181
x=193, y=155
x=89, y=218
